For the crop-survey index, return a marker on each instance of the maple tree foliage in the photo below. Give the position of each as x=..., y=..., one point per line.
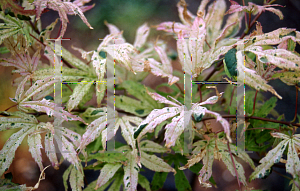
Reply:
x=150, y=121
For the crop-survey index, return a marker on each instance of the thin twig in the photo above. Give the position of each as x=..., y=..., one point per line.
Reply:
x=37, y=39
x=69, y=87
x=263, y=128
x=200, y=92
x=232, y=95
x=181, y=90
x=252, y=23
x=236, y=173
x=11, y=107
x=282, y=175
x=254, y=101
x=295, y=116
x=257, y=118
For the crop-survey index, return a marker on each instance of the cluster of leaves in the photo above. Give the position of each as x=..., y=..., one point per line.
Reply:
x=141, y=113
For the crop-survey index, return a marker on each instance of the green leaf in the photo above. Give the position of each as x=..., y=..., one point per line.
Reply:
x=12, y=26
x=117, y=183
x=143, y=181
x=108, y=157
x=155, y=163
x=267, y=107
x=139, y=91
x=4, y=50
x=196, y=168
x=181, y=182
x=107, y=172
x=158, y=180
x=230, y=63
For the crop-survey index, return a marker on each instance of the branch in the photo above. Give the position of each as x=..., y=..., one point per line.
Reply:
x=236, y=173
x=257, y=118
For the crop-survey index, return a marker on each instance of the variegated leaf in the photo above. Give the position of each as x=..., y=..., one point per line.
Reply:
x=251, y=78
x=154, y=118
x=107, y=172
x=24, y=120
x=79, y=92
x=64, y=9
x=293, y=163
x=175, y=128
x=131, y=171
x=50, y=149
x=75, y=177
x=35, y=146
x=155, y=163
x=8, y=151
x=141, y=36
x=50, y=108
x=206, y=171
x=93, y=131
x=253, y=8
x=290, y=78
x=150, y=146
x=272, y=157
x=68, y=150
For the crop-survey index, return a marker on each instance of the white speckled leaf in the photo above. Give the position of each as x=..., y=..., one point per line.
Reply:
x=51, y=109
x=50, y=149
x=93, y=131
x=290, y=78
x=293, y=162
x=155, y=163
x=24, y=120
x=272, y=157
x=131, y=172
x=127, y=132
x=280, y=57
x=8, y=151
x=107, y=172
x=174, y=129
x=67, y=149
x=156, y=117
x=35, y=146
x=251, y=78
x=206, y=171
x=79, y=92
x=239, y=168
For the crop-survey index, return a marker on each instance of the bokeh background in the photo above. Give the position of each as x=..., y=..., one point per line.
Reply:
x=128, y=15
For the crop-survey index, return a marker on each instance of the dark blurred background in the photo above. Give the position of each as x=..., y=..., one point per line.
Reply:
x=128, y=15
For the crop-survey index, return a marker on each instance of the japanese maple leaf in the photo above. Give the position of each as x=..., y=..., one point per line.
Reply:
x=131, y=176
x=200, y=39
x=176, y=127
x=254, y=9
x=135, y=60
x=15, y=8
x=207, y=151
x=24, y=102
x=29, y=126
x=24, y=63
x=256, y=76
x=274, y=156
x=64, y=8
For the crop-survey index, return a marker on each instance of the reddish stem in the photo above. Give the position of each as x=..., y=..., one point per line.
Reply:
x=11, y=107
x=200, y=92
x=257, y=118
x=236, y=173
x=253, y=109
x=295, y=116
x=232, y=95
